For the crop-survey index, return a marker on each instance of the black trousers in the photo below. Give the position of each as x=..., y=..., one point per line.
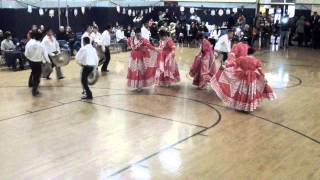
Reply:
x=107, y=61
x=316, y=39
x=11, y=60
x=34, y=79
x=86, y=70
x=224, y=56
x=300, y=38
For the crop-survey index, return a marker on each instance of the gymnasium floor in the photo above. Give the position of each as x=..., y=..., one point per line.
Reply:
x=164, y=133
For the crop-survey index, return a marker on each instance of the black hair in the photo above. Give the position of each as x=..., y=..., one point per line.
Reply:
x=86, y=40
x=36, y=35
x=7, y=34
x=137, y=30
x=163, y=33
x=88, y=27
x=109, y=26
x=251, y=51
x=49, y=30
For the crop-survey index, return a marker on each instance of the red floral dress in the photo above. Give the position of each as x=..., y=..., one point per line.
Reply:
x=242, y=87
x=203, y=67
x=168, y=71
x=142, y=64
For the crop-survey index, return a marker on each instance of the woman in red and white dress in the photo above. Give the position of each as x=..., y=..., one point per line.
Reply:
x=203, y=67
x=238, y=50
x=167, y=71
x=142, y=63
x=243, y=87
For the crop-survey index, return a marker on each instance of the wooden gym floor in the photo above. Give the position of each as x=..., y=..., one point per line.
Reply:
x=164, y=133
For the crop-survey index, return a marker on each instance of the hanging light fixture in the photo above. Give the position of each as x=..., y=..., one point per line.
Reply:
x=75, y=12
x=129, y=12
x=146, y=11
x=124, y=11
x=228, y=11
x=235, y=10
x=220, y=12
x=150, y=9
x=191, y=10
x=213, y=12
x=83, y=10
x=29, y=9
x=51, y=13
x=181, y=8
x=118, y=8
x=41, y=12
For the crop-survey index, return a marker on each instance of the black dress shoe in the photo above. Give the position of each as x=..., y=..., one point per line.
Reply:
x=35, y=93
x=86, y=98
x=48, y=78
x=61, y=78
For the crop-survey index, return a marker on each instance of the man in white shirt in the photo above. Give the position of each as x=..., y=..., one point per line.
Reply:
x=87, y=33
x=87, y=57
x=223, y=45
x=145, y=32
x=52, y=47
x=106, y=42
x=121, y=38
x=36, y=55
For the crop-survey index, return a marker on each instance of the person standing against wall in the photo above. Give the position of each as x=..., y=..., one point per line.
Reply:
x=285, y=31
x=106, y=42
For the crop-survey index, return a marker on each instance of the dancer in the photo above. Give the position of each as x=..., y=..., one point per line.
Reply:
x=223, y=45
x=244, y=87
x=36, y=54
x=167, y=72
x=96, y=36
x=88, y=59
x=238, y=50
x=87, y=33
x=203, y=67
x=142, y=63
x=52, y=47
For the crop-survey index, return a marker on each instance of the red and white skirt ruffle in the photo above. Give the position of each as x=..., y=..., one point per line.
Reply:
x=141, y=72
x=168, y=71
x=238, y=93
x=202, y=70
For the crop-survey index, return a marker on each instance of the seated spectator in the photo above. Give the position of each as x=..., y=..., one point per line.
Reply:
x=71, y=38
x=121, y=38
x=128, y=31
x=61, y=35
x=1, y=35
x=8, y=49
